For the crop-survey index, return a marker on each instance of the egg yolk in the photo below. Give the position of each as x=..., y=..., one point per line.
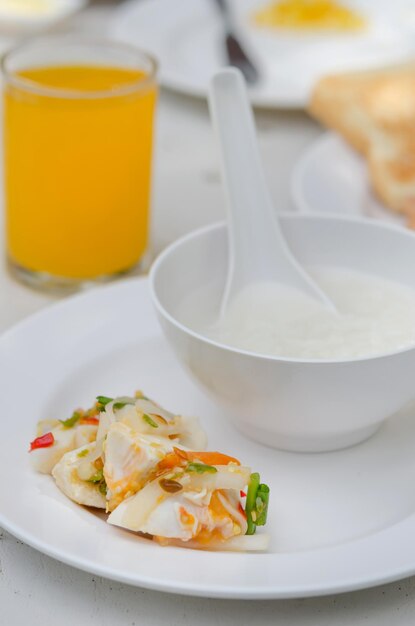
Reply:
x=309, y=14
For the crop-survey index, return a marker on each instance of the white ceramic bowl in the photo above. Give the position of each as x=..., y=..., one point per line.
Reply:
x=293, y=404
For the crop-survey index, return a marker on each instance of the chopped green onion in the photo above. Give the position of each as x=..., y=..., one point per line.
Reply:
x=97, y=477
x=262, y=499
x=82, y=453
x=102, y=402
x=150, y=421
x=71, y=421
x=256, y=507
x=201, y=468
x=99, y=480
x=250, y=502
x=103, y=487
x=121, y=405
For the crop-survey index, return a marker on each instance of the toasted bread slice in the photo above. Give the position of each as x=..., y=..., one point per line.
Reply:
x=359, y=104
x=391, y=163
x=375, y=112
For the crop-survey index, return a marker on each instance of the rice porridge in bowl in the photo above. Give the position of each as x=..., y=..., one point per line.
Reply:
x=373, y=316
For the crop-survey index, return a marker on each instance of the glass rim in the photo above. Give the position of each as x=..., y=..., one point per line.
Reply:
x=32, y=86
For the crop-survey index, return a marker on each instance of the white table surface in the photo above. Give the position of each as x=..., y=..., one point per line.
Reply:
x=39, y=591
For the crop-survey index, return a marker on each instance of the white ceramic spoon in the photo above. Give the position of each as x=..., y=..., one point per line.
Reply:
x=258, y=251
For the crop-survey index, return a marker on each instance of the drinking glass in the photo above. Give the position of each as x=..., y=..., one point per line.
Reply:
x=78, y=131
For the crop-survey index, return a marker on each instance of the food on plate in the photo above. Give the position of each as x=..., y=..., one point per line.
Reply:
x=325, y=15
x=359, y=104
x=82, y=483
x=374, y=110
x=146, y=416
x=130, y=459
x=195, y=498
x=147, y=467
x=57, y=437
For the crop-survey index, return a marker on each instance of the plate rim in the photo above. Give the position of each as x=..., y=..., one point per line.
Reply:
x=297, y=175
x=184, y=589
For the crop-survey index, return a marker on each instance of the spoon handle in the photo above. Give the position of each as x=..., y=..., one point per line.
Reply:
x=252, y=227
x=257, y=248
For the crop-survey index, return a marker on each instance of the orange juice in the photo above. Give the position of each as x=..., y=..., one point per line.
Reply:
x=77, y=169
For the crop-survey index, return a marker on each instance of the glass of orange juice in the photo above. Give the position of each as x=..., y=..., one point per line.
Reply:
x=78, y=128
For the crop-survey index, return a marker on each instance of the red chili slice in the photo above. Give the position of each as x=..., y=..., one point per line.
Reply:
x=45, y=441
x=242, y=494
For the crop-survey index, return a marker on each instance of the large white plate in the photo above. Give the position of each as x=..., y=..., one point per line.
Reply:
x=331, y=177
x=186, y=36
x=338, y=521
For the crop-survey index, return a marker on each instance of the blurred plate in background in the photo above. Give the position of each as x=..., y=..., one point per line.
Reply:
x=330, y=177
x=186, y=36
